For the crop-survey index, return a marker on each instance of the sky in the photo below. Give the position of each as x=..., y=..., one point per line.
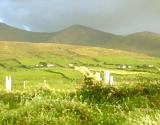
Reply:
x=115, y=16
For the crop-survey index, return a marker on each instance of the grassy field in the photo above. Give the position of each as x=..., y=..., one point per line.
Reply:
x=134, y=99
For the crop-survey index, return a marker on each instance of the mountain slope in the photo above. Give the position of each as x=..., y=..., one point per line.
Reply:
x=43, y=50
x=78, y=34
x=9, y=33
x=143, y=42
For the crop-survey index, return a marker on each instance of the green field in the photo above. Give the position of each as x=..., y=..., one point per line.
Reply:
x=66, y=100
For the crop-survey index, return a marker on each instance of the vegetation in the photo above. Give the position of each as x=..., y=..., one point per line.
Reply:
x=143, y=42
x=90, y=104
x=69, y=99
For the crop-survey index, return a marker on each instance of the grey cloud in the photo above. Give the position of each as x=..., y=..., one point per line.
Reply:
x=117, y=16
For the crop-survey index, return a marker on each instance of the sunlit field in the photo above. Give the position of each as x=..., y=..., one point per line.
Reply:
x=60, y=95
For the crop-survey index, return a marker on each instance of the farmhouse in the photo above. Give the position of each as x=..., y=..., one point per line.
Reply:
x=50, y=65
x=121, y=66
x=71, y=65
x=150, y=66
x=44, y=65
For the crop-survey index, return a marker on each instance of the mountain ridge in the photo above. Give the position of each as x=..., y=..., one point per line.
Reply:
x=143, y=42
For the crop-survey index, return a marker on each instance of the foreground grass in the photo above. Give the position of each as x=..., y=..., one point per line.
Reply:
x=89, y=105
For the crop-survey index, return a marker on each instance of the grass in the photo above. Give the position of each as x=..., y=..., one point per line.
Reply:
x=55, y=78
x=65, y=100
x=117, y=105
x=128, y=60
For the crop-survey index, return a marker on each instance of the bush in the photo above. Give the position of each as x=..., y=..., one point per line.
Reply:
x=94, y=92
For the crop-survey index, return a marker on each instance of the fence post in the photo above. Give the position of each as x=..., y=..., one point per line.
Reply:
x=24, y=85
x=8, y=81
x=45, y=83
x=111, y=80
x=106, y=77
x=98, y=77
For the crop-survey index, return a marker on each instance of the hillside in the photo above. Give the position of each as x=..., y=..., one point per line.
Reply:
x=9, y=33
x=82, y=35
x=40, y=50
x=143, y=42
x=64, y=54
x=61, y=95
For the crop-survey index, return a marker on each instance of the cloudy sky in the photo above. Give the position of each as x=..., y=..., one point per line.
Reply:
x=116, y=16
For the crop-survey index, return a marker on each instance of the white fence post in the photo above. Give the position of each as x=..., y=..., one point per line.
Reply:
x=8, y=83
x=45, y=83
x=106, y=77
x=98, y=77
x=111, y=80
x=24, y=85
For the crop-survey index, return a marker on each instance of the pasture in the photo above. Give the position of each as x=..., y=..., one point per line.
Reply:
x=66, y=100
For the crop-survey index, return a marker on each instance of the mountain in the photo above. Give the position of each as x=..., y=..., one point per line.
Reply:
x=143, y=42
x=78, y=34
x=9, y=33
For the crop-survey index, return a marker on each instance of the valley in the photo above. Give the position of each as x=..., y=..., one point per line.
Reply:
x=47, y=88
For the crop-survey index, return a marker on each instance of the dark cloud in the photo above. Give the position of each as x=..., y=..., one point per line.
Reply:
x=118, y=16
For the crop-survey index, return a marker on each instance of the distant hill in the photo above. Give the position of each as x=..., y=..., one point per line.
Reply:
x=143, y=42
x=15, y=55
x=9, y=33
x=78, y=34
x=23, y=50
